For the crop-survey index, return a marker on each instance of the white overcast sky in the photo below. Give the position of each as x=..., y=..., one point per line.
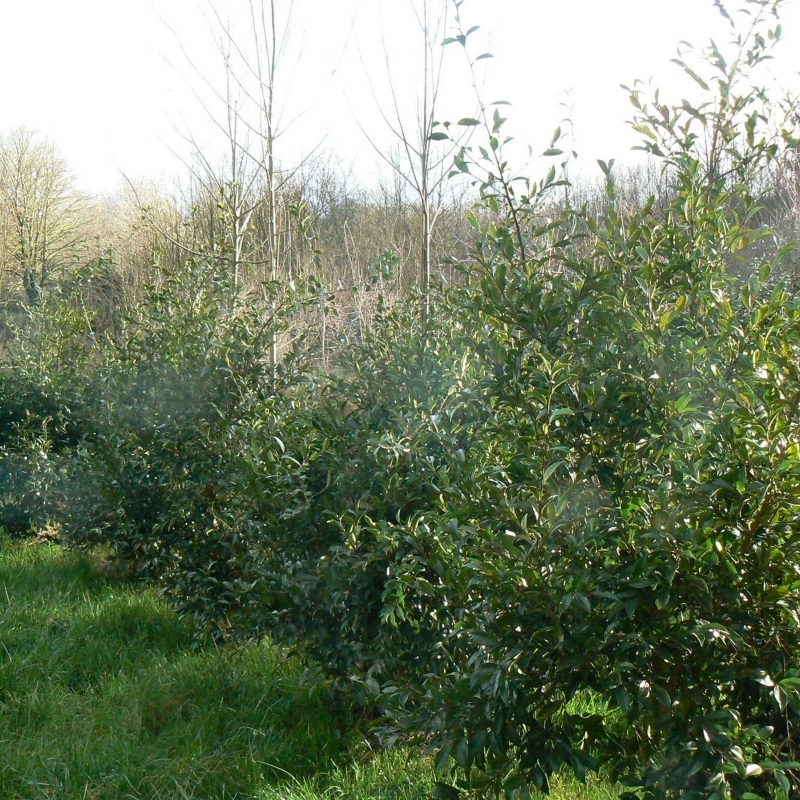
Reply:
x=108, y=81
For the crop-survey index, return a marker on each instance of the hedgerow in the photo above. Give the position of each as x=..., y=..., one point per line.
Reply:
x=554, y=527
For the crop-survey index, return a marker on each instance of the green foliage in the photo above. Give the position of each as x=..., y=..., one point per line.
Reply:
x=179, y=393
x=373, y=454
x=625, y=524
x=41, y=385
x=24, y=471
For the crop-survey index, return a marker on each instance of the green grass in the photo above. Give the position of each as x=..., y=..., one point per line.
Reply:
x=105, y=694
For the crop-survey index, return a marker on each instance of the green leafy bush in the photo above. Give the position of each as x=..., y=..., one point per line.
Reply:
x=373, y=455
x=612, y=582
x=42, y=383
x=173, y=402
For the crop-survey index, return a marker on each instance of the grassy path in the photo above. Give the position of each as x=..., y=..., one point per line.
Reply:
x=104, y=695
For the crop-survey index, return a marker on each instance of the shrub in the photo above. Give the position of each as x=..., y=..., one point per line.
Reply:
x=570, y=539
x=373, y=455
x=172, y=397
x=612, y=582
x=42, y=383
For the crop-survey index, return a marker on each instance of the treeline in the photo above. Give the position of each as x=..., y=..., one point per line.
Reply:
x=334, y=232
x=551, y=523
x=330, y=230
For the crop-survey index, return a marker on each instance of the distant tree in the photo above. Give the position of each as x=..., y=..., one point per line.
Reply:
x=41, y=214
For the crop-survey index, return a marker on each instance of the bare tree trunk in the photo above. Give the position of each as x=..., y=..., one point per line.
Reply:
x=425, y=194
x=425, y=263
x=272, y=223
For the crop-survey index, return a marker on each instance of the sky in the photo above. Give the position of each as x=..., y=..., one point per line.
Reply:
x=121, y=86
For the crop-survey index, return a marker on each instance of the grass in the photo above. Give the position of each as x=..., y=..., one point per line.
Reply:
x=104, y=693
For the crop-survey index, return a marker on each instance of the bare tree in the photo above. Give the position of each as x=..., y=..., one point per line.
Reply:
x=231, y=189
x=248, y=115
x=425, y=153
x=41, y=215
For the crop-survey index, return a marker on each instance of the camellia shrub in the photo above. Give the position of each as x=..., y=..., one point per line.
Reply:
x=42, y=382
x=378, y=448
x=174, y=397
x=607, y=576
x=623, y=567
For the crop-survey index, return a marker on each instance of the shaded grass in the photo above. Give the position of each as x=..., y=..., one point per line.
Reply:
x=104, y=693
